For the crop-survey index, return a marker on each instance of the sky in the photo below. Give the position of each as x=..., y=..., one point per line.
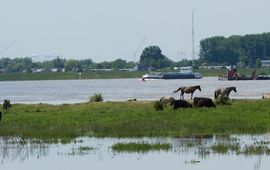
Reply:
x=105, y=30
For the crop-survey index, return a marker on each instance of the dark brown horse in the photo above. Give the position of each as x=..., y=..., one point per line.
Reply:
x=203, y=102
x=187, y=90
x=224, y=91
x=6, y=104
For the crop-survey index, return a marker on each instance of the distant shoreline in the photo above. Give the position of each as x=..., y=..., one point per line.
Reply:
x=110, y=74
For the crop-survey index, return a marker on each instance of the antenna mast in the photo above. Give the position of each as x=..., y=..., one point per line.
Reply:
x=193, y=34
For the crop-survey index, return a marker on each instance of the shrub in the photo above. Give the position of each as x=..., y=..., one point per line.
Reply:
x=96, y=98
x=223, y=100
x=158, y=106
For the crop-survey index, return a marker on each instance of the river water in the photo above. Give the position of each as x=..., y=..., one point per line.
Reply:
x=185, y=154
x=72, y=91
x=29, y=156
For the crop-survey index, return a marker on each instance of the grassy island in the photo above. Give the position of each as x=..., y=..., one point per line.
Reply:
x=133, y=119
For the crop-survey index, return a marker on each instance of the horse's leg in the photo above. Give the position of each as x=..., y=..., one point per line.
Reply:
x=191, y=95
x=182, y=96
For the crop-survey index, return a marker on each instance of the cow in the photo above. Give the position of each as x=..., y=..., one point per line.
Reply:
x=6, y=104
x=203, y=102
x=181, y=104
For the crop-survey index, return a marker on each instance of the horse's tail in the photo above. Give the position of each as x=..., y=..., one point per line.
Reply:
x=177, y=90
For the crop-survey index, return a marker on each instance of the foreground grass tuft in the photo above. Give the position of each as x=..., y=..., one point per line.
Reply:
x=140, y=147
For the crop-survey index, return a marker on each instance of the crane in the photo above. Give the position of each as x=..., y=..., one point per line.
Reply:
x=138, y=48
x=7, y=47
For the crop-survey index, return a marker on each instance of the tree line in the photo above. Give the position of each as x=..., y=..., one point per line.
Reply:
x=218, y=50
x=247, y=49
x=151, y=57
x=27, y=65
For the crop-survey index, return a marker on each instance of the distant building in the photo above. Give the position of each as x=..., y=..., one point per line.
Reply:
x=182, y=68
x=214, y=67
x=265, y=63
x=54, y=69
x=37, y=70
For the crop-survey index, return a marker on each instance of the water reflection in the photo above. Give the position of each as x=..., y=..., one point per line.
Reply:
x=18, y=149
x=190, y=153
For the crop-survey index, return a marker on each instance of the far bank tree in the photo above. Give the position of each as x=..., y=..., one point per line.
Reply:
x=152, y=57
x=248, y=49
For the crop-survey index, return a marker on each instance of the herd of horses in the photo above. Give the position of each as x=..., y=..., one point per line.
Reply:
x=197, y=101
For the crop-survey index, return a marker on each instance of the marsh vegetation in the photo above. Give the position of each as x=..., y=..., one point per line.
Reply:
x=133, y=119
x=140, y=147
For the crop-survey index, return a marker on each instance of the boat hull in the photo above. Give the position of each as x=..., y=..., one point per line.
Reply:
x=167, y=76
x=244, y=78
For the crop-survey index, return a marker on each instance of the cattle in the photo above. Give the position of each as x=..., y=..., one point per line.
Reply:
x=6, y=104
x=167, y=100
x=181, y=104
x=203, y=102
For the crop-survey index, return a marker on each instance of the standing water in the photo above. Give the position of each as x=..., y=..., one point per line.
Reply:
x=195, y=154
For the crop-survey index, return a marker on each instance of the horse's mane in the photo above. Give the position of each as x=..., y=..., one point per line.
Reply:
x=230, y=88
x=197, y=86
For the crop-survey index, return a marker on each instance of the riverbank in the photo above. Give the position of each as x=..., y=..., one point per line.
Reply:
x=108, y=74
x=133, y=119
x=70, y=75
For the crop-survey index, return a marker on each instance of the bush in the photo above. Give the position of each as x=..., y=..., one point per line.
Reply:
x=96, y=98
x=158, y=106
x=223, y=100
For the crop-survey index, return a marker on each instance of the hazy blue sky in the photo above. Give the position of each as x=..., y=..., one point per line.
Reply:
x=111, y=29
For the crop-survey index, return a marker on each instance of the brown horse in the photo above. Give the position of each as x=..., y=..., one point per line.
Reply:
x=187, y=90
x=224, y=91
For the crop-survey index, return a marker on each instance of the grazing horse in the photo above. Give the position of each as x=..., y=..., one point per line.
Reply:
x=203, y=102
x=167, y=99
x=181, y=104
x=224, y=91
x=187, y=90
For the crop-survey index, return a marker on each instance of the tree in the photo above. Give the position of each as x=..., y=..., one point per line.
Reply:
x=86, y=64
x=258, y=63
x=71, y=65
x=152, y=57
x=233, y=49
x=119, y=63
x=58, y=63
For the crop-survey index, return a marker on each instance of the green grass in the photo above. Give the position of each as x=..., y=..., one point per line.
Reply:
x=133, y=119
x=82, y=150
x=140, y=147
x=225, y=148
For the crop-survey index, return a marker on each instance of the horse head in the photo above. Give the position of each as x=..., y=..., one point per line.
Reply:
x=233, y=89
x=199, y=87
